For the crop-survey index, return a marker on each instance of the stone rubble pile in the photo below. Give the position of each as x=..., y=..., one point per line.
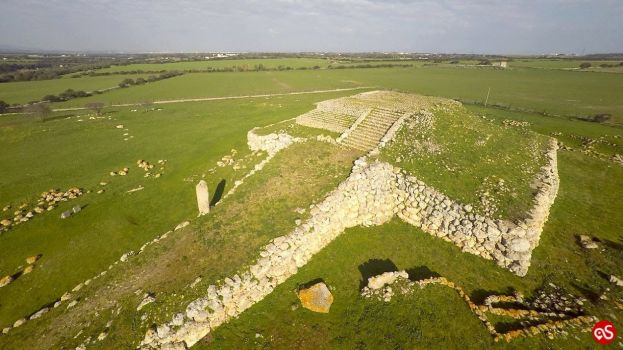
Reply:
x=122, y=172
x=46, y=202
x=587, y=242
x=271, y=143
x=549, y=318
x=147, y=166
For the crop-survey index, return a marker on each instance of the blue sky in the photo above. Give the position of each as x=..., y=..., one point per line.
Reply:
x=448, y=26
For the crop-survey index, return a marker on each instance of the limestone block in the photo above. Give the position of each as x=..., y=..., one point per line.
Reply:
x=203, y=197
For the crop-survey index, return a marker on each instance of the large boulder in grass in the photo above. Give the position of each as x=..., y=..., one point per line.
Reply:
x=316, y=298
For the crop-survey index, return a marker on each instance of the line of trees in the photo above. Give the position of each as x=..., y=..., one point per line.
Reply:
x=152, y=78
x=65, y=95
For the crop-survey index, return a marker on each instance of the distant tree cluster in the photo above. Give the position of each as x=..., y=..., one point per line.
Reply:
x=368, y=65
x=140, y=81
x=65, y=95
x=611, y=65
x=4, y=107
x=585, y=65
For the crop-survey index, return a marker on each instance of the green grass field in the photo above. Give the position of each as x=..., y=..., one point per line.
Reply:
x=551, y=91
x=70, y=149
x=27, y=91
x=202, y=65
x=555, y=63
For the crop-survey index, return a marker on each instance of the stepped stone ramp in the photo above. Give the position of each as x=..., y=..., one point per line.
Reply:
x=335, y=122
x=367, y=134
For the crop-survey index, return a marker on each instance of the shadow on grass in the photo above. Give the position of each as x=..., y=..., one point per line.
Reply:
x=614, y=245
x=310, y=283
x=588, y=292
x=421, y=272
x=218, y=193
x=375, y=267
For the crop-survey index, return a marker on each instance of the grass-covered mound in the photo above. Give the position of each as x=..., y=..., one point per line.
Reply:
x=471, y=159
x=435, y=317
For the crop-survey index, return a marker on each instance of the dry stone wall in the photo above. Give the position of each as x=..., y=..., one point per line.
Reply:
x=374, y=193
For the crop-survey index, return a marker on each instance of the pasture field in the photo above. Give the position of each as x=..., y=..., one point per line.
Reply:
x=192, y=137
x=26, y=91
x=556, y=64
x=550, y=91
x=202, y=65
x=77, y=148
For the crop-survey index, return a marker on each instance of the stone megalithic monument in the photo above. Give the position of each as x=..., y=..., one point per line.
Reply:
x=203, y=197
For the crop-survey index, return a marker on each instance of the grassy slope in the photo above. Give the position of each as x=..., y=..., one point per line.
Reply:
x=460, y=165
x=435, y=317
x=26, y=91
x=217, y=246
x=192, y=137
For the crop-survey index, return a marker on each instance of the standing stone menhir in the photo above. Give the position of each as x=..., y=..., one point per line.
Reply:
x=203, y=198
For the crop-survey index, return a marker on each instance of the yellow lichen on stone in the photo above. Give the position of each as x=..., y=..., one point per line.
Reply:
x=316, y=298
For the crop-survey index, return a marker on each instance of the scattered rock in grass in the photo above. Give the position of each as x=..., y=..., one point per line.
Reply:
x=28, y=269
x=33, y=259
x=616, y=281
x=19, y=322
x=587, y=242
x=148, y=298
x=377, y=282
x=316, y=298
x=5, y=280
x=139, y=188
x=120, y=126
x=181, y=225
x=102, y=336
x=66, y=214
x=195, y=282
x=76, y=209
x=39, y=313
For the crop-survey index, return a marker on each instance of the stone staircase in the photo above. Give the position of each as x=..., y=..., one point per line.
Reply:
x=367, y=135
x=326, y=120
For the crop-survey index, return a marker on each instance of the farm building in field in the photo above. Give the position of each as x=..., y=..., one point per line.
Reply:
x=501, y=64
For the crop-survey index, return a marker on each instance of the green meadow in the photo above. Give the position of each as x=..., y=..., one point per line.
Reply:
x=76, y=148
x=228, y=63
x=550, y=91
